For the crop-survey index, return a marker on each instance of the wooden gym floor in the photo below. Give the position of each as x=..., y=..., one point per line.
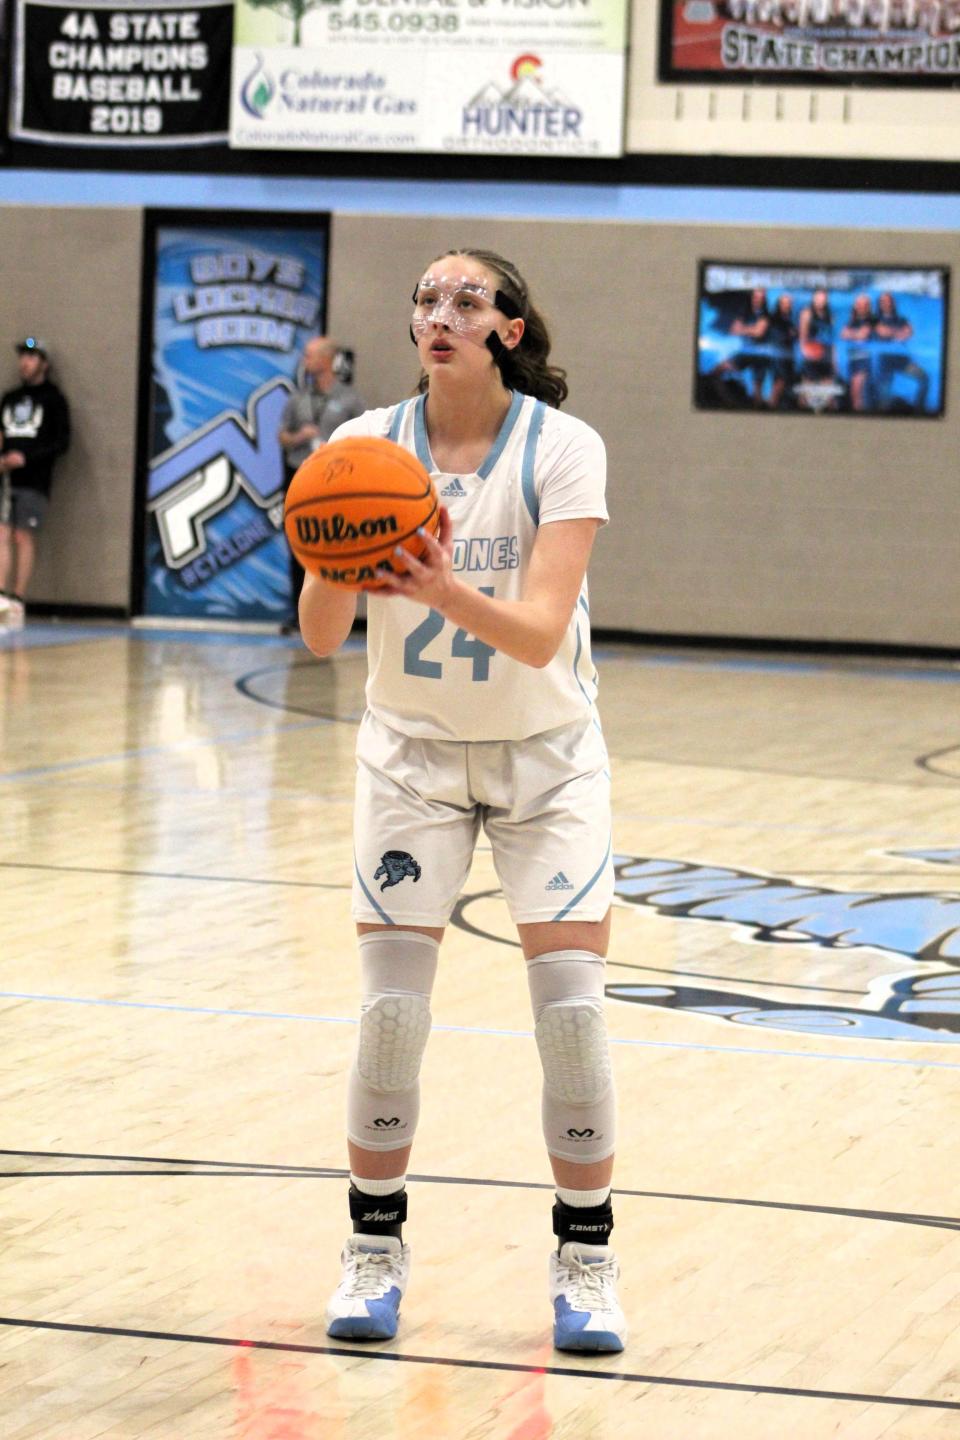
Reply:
x=178, y=997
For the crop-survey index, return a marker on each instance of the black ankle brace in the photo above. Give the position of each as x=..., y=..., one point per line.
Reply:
x=590, y=1224
x=377, y=1214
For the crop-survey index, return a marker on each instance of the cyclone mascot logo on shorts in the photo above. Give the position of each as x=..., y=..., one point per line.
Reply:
x=396, y=865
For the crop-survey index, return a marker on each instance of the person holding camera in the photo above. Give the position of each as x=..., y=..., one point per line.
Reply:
x=35, y=431
x=325, y=400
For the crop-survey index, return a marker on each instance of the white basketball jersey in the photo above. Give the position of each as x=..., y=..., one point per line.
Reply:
x=429, y=678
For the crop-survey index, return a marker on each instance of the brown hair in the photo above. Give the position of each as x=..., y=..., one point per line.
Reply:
x=524, y=367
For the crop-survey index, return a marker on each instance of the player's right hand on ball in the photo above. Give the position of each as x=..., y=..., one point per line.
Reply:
x=428, y=579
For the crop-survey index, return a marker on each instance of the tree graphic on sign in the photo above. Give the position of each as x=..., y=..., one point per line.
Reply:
x=293, y=10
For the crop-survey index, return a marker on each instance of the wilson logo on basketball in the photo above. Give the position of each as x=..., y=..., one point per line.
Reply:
x=338, y=530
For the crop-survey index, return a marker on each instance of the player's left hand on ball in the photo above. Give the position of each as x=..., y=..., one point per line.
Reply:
x=429, y=578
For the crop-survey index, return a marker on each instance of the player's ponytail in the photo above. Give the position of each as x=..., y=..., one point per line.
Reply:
x=525, y=367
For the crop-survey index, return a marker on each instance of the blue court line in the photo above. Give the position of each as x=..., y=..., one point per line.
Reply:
x=190, y=792
x=935, y=674
x=644, y=817
x=39, y=634
x=36, y=637
x=472, y=1030
x=179, y=746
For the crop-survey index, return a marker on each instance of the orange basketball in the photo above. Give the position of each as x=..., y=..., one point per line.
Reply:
x=351, y=504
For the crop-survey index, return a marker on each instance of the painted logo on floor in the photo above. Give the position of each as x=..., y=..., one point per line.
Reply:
x=920, y=927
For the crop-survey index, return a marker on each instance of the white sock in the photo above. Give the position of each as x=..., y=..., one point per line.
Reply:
x=389, y=1186
x=582, y=1198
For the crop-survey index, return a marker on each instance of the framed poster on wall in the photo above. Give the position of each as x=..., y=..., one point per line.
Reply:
x=822, y=339
x=229, y=302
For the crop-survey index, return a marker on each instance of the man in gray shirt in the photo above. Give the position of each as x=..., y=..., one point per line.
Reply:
x=309, y=418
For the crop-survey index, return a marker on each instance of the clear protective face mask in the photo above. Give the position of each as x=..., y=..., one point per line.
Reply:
x=463, y=305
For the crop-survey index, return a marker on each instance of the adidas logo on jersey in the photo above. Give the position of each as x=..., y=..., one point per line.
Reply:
x=453, y=491
x=559, y=882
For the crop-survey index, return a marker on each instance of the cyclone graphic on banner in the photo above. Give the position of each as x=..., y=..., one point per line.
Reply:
x=232, y=310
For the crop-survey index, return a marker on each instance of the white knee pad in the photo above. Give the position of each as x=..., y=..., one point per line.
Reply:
x=383, y=1089
x=579, y=1101
x=393, y=1037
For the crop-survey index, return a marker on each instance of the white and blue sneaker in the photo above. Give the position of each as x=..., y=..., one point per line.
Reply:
x=583, y=1288
x=366, y=1303
x=11, y=613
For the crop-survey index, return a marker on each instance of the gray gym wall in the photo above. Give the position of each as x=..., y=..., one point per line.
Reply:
x=785, y=527
x=72, y=276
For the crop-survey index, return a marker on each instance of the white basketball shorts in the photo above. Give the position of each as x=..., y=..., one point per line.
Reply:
x=544, y=804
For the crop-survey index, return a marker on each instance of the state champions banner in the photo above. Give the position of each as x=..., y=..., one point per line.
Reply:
x=502, y=77
x=232, y=309
x=122, y=74
x=890, y=43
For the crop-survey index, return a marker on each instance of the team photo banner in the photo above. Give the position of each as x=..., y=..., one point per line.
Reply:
x=824, y=42
x=120, y=74
x=821, y=339
x=232, y=310
x=471, y=76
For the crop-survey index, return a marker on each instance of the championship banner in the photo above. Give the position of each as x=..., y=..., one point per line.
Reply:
x=497, y=77
x=822, y=339
x=823, y=42
x=122, y=74
x=232, y=309
x=4, y=69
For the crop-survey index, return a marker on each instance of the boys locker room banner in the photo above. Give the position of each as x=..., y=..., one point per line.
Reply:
x=232, y=306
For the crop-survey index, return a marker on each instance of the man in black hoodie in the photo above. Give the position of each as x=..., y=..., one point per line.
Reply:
x=35, y=430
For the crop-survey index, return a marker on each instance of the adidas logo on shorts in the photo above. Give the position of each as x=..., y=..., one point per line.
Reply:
x=559, y=882
x=453, y=491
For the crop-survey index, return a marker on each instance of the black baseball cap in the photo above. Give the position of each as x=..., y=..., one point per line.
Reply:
x=30, y=345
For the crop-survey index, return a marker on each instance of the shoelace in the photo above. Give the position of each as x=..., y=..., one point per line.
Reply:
x=586, y=1284
x=371, y=1273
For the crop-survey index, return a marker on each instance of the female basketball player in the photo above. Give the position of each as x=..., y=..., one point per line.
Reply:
x=480, y=710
